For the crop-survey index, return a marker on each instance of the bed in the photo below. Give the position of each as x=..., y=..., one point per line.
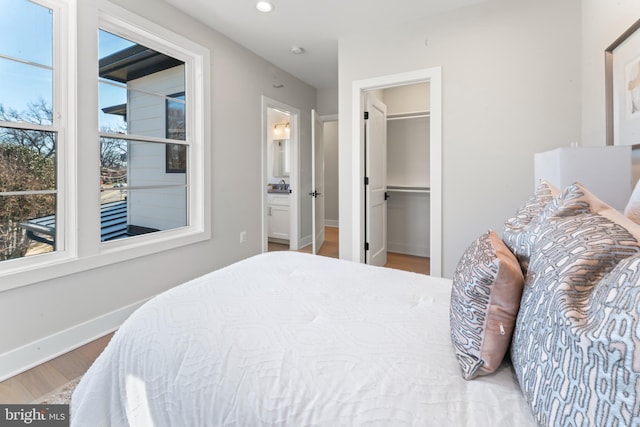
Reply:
x=540, y=325
x=292, y=339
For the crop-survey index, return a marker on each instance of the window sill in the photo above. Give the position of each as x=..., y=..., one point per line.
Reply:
x=40, y=268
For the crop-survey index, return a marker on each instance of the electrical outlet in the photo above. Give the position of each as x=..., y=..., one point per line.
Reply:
x=243, y=236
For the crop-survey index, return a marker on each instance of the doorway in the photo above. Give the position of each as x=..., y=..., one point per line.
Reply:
x=280, y=185
x=331, y=186
x=360, y=89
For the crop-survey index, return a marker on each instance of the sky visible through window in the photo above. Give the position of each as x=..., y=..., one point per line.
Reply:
x=26, y=58
x=109, y=43
x=111, y=93
x=26, y=35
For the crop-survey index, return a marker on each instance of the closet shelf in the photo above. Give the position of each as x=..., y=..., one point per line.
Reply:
x=406, y=189
x=409, y=115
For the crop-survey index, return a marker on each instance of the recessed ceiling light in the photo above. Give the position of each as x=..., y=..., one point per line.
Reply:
x=297, y=50
x=264, y=6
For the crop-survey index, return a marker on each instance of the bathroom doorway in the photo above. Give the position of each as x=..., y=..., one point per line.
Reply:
x=280, y=177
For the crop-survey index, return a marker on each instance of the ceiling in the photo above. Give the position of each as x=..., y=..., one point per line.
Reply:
x=316, y=26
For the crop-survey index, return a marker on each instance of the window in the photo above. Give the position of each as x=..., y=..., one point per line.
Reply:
x=147, y=191
x=30, y=129
x=152, y=92
x=142, y=115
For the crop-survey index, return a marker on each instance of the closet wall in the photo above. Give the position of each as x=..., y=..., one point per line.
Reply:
x=408, y=207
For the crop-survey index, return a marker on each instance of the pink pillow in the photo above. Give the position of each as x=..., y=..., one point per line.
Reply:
x=485, y=299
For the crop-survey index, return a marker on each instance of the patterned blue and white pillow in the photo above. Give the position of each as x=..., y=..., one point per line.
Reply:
x=520, y=230
x=576, y=345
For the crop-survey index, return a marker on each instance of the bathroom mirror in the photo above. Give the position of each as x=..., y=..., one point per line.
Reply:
x=281, y=158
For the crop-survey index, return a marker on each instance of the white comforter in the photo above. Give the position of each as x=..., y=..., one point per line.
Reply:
x=291, y=339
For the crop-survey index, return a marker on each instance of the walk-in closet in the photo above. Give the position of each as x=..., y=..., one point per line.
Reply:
x=408, y=205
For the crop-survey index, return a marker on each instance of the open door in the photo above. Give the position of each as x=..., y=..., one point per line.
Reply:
x=317, y=181
x=375, y=182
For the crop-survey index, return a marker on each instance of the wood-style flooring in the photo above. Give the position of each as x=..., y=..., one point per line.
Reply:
x=36, y=383
x=398, y=261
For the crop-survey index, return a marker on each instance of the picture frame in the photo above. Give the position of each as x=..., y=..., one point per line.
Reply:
x=176, y=154
x=622, y=88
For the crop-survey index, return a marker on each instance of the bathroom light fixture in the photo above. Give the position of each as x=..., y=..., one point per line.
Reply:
x=286, y=125
x=297, y=50
x=264, y=6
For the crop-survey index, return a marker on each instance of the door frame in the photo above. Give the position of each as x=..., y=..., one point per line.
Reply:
x=433, y=76
x=294, y=177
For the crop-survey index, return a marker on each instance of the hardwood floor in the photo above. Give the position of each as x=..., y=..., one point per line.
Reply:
x=398, y=261
x=328, y=249
x=33, y=385
x=411, y=263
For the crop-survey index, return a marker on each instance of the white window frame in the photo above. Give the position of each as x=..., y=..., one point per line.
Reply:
x=64, y=127
x=194, y=125
x=83, y=249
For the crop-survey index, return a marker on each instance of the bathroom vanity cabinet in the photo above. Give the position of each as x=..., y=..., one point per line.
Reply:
x=278, y=216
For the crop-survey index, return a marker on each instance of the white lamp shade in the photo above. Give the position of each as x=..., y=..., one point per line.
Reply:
x=604, y=171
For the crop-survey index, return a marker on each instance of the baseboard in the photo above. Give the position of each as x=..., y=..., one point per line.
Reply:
x=332, y=223
x=305, y=241
x=37, y=352
x=401, y=248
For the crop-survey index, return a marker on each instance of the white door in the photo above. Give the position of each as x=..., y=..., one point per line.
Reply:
x=376, y=182
x=317, y=181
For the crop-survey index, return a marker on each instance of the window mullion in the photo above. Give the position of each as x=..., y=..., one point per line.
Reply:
x=30, y=126
x=129, y=137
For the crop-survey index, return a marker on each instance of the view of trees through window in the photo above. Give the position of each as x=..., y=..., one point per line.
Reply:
x=142, y=135
x=27, y=163
x=28, y=138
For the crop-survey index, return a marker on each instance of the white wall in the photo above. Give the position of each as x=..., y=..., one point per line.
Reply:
x=331, y=181
x=408, y=223
x=408, y=152
x=602, y=23
x=327, y=101
x=55, y=315
x=406, y=98
x=511, y=88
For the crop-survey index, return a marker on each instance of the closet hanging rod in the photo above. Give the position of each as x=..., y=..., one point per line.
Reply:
x=402, y=189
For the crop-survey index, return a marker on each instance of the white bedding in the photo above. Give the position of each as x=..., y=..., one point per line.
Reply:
x=293, y=339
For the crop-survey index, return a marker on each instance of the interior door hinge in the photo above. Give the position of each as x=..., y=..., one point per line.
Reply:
x=366, y=246
x=366, y=180
x=366, y=115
